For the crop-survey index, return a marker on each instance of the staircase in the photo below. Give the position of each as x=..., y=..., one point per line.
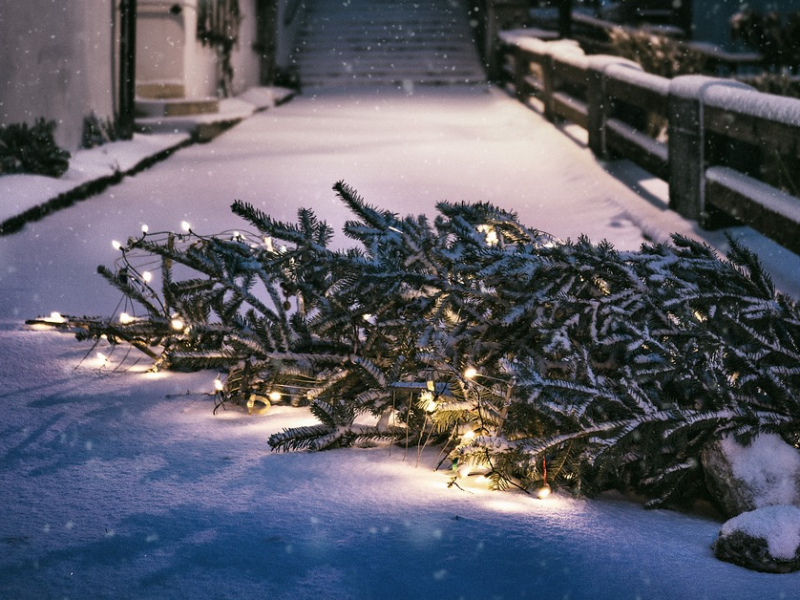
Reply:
x=387, y=42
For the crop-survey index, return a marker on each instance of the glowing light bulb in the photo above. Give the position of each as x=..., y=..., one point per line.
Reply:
x=218, y=386
x=125, y=318
x=274, y=396
x=177, y=324
x=544, y=492
x=55, y=317
x=147, y=276
x=186, y=226
x=427, y=402
x=116, y=245
x=430, y=385
x=470, y=373
x=145, y=228
x=469, y=435
x=491, y=238
x=268, y=244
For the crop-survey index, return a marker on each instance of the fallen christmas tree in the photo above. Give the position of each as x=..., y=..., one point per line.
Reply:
x=530, y=361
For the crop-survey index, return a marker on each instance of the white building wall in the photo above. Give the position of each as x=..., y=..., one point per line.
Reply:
x=56, y=61
x=168, y=51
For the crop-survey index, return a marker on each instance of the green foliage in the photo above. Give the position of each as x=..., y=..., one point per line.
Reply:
x=98, y=131
x=772, y=35
x=516, y=352
x=657, y=54
x=218, y=27
x=32, y=150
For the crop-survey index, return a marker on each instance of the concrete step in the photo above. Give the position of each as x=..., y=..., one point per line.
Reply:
x=176, y=107
x=387, y=42
x=160, y=90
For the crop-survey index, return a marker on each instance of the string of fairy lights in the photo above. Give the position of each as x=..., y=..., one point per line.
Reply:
x=138, y=266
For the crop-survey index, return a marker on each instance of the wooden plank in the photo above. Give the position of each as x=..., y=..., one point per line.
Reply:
x=774, y=213
x=571, y=73
x=637, y=95
x=783, y=138
x=571, y=108
x=630, y=143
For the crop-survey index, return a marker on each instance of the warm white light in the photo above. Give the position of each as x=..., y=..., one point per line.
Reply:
x=470, y=373
x=186, y=226
x=125, y=318
x=147, y=276
x=544, y=491
x=469, y=435
x=268, y=244
x=430, y=385
x=463, y=471
x=491, y=238
x=218, y=385
x=177, y=324
x=55, y=317
x=366, y=316
x=274, y=396
x=116, y=244
x=427, y=402
x=145, y=228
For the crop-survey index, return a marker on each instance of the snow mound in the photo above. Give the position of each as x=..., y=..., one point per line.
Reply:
x=768, y=466
x=778, y=525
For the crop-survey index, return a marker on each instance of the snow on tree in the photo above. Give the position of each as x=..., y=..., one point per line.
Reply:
x=531, y=361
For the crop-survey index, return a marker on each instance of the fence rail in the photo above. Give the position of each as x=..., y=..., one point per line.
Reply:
x=713, y=140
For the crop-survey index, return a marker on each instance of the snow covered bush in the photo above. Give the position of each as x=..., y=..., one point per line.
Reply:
x=33, y=150
x=531, y=361
x=657, y=54
x=98, y=131
x=773, y=35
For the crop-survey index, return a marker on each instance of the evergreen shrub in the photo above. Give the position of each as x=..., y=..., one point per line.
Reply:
x=32, y=150
x=98, y=131
x=529, y=360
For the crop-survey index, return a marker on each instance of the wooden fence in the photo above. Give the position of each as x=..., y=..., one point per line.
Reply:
x=715, y=141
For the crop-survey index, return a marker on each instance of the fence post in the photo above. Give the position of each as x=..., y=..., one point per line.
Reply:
x=500, y=14
x=521, y=68
x=548, y=85
x=687, y=144
x=599, y=106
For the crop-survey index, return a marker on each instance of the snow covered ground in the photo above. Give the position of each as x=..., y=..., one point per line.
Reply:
x=119, y=484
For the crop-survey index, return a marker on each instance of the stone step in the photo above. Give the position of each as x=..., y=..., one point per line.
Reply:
x=381, y=42
x=176, y=107
x=160, y=90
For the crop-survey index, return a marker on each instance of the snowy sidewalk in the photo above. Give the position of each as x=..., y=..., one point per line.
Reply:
x=125, y=485
x=401, y=152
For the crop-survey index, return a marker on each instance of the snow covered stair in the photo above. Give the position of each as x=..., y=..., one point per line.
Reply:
x=387, y=42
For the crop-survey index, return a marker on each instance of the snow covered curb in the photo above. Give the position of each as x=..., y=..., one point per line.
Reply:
x=31, y=197
x=25, y=198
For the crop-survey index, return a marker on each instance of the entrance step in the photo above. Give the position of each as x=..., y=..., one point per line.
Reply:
x=176, y=107
x=160, y=90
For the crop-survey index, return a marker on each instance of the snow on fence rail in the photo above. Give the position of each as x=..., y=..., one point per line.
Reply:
x=707, y=137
